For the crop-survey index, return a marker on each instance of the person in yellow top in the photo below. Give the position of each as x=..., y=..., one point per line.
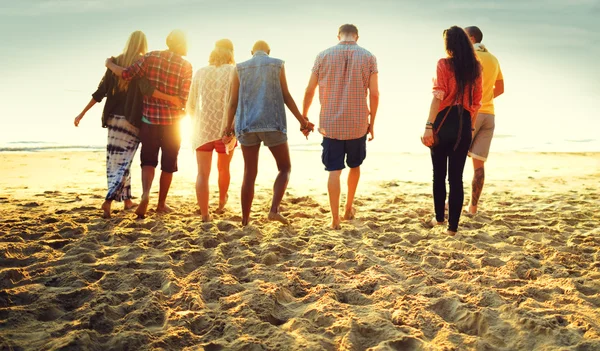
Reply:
x=493, y=86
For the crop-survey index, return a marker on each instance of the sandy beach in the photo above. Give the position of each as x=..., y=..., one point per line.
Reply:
x=523, y=274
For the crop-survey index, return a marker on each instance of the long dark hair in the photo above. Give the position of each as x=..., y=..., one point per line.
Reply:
x=461, y=55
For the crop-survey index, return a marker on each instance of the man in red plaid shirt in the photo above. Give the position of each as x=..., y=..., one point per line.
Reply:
x=345, y=74
x=171, y=74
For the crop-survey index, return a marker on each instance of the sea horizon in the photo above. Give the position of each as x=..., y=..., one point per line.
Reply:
x=501, y=143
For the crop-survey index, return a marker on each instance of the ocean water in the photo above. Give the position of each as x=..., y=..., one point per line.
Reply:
x=500, y=143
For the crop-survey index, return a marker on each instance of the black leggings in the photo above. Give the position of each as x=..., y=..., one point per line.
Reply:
x=450, y=157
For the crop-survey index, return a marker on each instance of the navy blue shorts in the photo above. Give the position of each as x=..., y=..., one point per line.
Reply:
x=335, y=151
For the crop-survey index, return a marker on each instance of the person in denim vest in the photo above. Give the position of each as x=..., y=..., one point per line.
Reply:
x=259, y=92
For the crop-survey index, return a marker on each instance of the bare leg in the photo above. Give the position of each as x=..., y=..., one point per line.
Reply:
x=333, y=187
x=281, y=153
x=128, y=204
x=223, y=163
x=250, y=171
x=147, y=178
x=165, y=184
x=353, y=178
x=204, y=160
x=477, y=184
x=106, y=208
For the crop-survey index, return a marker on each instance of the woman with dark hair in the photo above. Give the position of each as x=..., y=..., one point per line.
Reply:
x=457, y=91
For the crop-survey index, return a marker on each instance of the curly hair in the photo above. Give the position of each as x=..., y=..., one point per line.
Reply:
x=462, y=58
x=222, y=53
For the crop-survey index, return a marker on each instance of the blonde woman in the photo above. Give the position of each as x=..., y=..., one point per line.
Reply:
x=122, y=116
x=207, y=106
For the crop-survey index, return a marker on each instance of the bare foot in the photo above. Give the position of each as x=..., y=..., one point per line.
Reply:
x=129, y=204
x=434, y=222
x=278, y=217
x=163, y=209
x=472, y=209
x=245, y=221
x=349, y=215
x=206, y=219
x=142, y=207
x=450, y=232
x=106, y=209
x=222, y=203
x=335, y=224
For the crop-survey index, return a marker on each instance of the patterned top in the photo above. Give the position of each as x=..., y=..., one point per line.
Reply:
x=343, y=72
x=170, y=74
x=207, y=105
x=445, y=89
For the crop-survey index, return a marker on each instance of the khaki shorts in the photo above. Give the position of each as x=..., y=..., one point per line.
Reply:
x=270, y=139
x=482, y=139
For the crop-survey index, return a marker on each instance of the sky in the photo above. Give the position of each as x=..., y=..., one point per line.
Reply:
x=54, y=52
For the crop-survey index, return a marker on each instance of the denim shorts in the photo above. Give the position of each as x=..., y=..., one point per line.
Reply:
x=335, y=151
x=270, y=139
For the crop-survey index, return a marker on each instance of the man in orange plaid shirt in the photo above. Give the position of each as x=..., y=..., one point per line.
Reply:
x=345, y=74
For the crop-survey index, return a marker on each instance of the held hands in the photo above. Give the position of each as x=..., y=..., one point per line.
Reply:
x=306, y=127
x=427, y=138
x=228, y=136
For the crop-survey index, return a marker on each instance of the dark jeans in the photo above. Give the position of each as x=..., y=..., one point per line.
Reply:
x=449, y=157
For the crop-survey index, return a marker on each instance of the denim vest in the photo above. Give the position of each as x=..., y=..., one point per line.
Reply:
x=260, y=107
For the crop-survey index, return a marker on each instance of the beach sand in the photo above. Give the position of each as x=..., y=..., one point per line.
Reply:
x=523, y=274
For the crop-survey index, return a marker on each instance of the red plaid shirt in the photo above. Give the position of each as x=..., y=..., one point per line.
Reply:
x=170, y=74
x=344, y=72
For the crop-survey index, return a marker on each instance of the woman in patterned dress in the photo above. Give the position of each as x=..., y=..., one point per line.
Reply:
x=122, y=116
x=207, y=106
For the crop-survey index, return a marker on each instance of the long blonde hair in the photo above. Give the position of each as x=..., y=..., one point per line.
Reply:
x=136, y=46
x=222, y=53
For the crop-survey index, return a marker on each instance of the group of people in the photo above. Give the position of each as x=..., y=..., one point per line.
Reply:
x=149, y=92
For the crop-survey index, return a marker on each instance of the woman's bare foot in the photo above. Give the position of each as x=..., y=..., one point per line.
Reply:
x=434, y=222
x=222, y=203
x=278, y=217
x=349, y=215
x=129, y=204
x=335, y=224
x=142, y=207
x=163, y=209
x=206, y=219
x=106, y=209
x=450, y=232
x=472, y=209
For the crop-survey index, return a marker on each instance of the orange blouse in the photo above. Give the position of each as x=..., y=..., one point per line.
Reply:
x=445, y=89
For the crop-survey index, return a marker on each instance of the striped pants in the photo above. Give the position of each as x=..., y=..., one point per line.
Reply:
x=122, y=144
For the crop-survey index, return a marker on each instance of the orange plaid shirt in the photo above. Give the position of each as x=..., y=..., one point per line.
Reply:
x=343, y=72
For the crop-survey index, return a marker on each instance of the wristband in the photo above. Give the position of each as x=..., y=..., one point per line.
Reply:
x=429, y=123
